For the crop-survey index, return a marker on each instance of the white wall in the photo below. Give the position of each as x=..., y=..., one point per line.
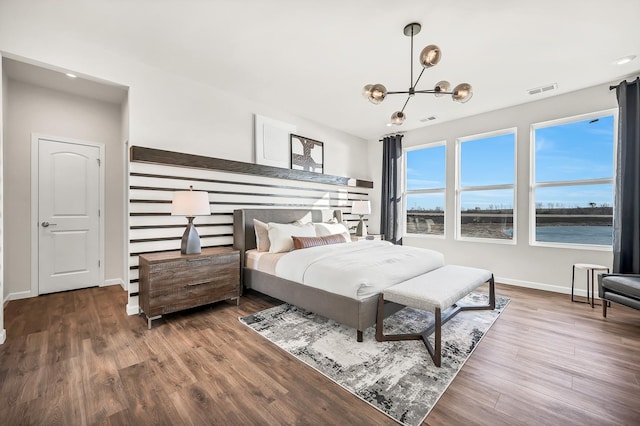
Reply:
x=174, y=113
x=3, y=108
x=125, y=191
x=520, y=264
x=33, y=109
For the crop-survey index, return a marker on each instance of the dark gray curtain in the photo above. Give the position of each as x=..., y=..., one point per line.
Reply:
x=626, y=219
x=390, y=220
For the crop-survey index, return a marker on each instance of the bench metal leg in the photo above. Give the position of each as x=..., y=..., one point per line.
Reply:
x=441, y=318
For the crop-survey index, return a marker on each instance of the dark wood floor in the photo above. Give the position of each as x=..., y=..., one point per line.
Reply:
x=76, y=358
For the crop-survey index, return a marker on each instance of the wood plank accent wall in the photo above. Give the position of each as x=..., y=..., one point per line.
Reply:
x=154, y=175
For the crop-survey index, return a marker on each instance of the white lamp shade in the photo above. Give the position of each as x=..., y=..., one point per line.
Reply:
x=190, y=203
x=361, y=207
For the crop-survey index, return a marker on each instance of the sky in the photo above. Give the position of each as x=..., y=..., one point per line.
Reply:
x=567, y=152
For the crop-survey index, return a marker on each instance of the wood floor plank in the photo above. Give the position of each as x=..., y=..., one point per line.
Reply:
x=82, y=360
x=148, y=403
x=102, y=390
x=475, y=412
x=198, y=406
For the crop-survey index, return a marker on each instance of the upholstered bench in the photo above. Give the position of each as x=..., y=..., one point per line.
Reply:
x=436, y=291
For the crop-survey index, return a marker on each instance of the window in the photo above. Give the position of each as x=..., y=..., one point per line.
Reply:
x=485, y=186
x=572, y=180
x=425, y=177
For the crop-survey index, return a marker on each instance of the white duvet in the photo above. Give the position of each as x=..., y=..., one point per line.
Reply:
x=357, y=270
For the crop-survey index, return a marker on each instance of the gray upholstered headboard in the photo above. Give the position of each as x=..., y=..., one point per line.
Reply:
x=244, y=236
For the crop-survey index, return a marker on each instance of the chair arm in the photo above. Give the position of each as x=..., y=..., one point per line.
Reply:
x=620, y=275
x=602, y=276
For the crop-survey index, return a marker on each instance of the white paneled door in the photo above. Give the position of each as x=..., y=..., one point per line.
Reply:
x=68, y=216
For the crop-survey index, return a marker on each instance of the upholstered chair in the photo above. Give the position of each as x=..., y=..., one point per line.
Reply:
x=619, y=288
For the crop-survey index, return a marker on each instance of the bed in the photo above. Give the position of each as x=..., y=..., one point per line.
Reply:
x=359, y=313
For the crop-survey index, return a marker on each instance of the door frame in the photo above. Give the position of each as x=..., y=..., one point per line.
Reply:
x=35, y=197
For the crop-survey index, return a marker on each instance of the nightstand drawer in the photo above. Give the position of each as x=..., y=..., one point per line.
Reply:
x=185, y=296
x=190, y=272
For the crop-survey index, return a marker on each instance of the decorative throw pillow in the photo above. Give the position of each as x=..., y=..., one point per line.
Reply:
x=280, y=235
x=306, y=242
x=324, y=229
x=262, y=235
x=303, y=220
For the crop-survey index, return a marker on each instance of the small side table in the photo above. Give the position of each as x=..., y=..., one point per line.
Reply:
x=591, y=271
x=366, y=237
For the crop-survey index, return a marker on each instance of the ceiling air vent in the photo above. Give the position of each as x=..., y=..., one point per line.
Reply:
x=543, y=89
x=424, y=120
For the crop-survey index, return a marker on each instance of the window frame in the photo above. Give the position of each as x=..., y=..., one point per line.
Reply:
x=579, y=182
x=407, y=192
x=459, y=190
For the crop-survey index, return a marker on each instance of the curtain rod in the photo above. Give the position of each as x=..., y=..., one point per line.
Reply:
x=625, y=81
x=391, y=134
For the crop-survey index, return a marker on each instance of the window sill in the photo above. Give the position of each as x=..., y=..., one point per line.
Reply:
x=427, y=236
x=511, y=242
x=591, y=247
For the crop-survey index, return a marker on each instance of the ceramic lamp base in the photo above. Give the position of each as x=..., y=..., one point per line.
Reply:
x=190, y=239
x=362, y=228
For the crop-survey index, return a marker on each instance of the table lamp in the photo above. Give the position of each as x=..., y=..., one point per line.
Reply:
x=190, y=204
x=361, y=208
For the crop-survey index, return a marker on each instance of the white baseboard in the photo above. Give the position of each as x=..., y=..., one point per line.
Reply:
x=27, y=294
x=132, y=310
x=578, y=290
x=113, y=281
x=3, y=336
x=19, y=295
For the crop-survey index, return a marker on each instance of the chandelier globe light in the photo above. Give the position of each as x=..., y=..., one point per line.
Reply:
x=397, y=118
x=429, y=57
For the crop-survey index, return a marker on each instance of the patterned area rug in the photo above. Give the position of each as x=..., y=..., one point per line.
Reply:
x=397, y=378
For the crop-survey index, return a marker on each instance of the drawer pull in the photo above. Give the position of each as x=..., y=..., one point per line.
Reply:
x=205, y=260
x=199, y=283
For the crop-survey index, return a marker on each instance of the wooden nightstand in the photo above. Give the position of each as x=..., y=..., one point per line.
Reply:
x=368, y=237
x=171, y=281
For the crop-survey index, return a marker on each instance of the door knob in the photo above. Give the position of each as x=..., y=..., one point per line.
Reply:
x=47, y=224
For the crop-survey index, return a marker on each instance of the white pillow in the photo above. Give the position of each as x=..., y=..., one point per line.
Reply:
x=325, y=229
x=280, y=235
x=262, y=235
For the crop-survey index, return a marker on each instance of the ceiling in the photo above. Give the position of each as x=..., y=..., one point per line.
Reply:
x=57, y=80
x=313, y=58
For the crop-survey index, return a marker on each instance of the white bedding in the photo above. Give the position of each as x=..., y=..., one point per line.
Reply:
x=357, y=270
x=262, y=261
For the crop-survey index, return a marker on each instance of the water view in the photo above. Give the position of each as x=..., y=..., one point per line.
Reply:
x=578, y=225
x=601, y=235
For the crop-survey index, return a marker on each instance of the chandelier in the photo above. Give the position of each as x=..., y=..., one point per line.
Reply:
x=429, y=57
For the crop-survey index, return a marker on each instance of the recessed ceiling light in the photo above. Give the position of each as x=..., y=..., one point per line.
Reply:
x=624, y=60
x=70, y=75
x=389, y=124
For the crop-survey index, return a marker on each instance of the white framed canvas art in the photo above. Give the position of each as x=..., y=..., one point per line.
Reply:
x=272, y=141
